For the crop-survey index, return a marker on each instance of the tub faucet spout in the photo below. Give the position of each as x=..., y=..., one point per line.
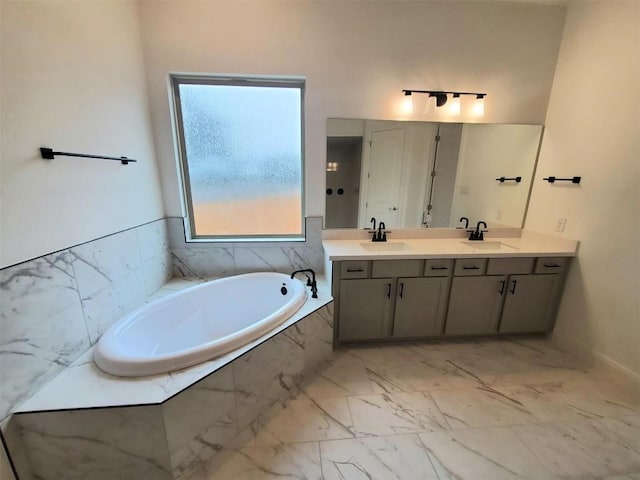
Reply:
x=311, y=282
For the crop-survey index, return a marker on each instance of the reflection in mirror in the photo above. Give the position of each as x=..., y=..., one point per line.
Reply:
x=426, y=174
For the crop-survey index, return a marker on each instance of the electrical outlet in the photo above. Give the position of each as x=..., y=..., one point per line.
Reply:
x=560, y=224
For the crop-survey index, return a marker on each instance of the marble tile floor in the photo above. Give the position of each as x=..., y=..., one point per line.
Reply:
x=491, y=409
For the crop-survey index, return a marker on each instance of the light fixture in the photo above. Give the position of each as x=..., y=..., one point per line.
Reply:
x=332, y=166
x=407, y=104
x=430, y=106
x=441, y=98
x=454, y=108
x=478, y=106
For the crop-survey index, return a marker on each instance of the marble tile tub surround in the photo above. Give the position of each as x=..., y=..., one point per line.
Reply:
x=55, y=307
x=513, y=408
x=224, y=259
x=174, y=439
x=83, y=385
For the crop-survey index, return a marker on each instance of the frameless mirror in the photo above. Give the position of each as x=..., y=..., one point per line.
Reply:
x=427, y=174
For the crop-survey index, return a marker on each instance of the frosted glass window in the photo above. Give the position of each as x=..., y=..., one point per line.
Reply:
x=241, y=149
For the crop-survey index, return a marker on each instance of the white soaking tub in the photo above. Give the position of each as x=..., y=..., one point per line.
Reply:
x=197, y=324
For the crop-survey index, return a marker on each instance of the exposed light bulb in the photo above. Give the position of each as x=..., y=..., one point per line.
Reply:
x=478, y=106
x=407, y=104
x=454, y=109
x=430, y=107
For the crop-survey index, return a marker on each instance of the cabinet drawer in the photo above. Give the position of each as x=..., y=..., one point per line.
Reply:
x=470, y=267
x=397, y=268
x=509, y=266
x=438, y=268
x=550, y=265
x=354, y=269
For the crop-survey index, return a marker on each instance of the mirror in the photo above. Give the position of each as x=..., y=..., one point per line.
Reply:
x=427, y=174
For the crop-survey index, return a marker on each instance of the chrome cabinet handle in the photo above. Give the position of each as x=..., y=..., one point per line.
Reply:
x=401, y=290
x=439, y=268
x=502, y=285
x=470, y=268
x=513, y=289
x=351, y=270
x=552, y=265
x=388, y=290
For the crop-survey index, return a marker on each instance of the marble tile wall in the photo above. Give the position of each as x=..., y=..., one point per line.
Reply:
x=17, y=461
x=5, y=466
x=178, y=438
x=222, y=259
x=262, y=377
x=95, y=444
x=200, y=421
x=53, y=308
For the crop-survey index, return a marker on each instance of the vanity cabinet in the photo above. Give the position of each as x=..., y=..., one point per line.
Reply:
x=401, y=299
x=366, y=307
x=420, y=307
x=514, y=295
x=531, y=301
x=405, y=299
x=475, y=305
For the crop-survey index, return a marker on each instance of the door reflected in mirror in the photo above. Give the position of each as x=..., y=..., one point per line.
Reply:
x=427, y=174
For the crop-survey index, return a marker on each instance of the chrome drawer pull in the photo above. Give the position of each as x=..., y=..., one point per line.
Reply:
x=552, y=265
x=352, y=270
x=439, y=268
x=471, y=268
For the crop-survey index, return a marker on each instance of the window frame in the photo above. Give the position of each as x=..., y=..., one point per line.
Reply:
x=177, y=79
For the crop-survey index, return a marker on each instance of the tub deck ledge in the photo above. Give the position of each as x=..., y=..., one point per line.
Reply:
x=83, y=385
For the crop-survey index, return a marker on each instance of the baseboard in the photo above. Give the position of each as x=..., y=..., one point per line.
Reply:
x=597, y=359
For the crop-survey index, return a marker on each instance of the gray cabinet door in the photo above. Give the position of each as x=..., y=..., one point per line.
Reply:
x=529, y=303
x=475, y=304
x=365, y=309
x=420, y=306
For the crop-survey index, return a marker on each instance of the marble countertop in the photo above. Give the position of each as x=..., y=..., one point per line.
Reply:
x=83, y=385
x=529, y=244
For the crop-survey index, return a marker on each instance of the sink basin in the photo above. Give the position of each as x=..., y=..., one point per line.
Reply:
x=384, y=246
x=487, y=245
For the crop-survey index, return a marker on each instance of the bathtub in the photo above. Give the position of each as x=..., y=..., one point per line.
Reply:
x=198, y=323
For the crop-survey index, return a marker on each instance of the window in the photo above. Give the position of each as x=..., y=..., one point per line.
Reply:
x=241, y=156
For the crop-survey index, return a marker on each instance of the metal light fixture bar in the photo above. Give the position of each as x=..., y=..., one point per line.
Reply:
x=441, y=96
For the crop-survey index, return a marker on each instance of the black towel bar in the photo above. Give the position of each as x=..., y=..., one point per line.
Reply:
x=505, y=179
x=48, y=154
x=556, y=179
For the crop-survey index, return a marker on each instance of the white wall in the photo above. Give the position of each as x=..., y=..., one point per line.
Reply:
x=72, y=79
x=357, y=57
x=593, y=131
